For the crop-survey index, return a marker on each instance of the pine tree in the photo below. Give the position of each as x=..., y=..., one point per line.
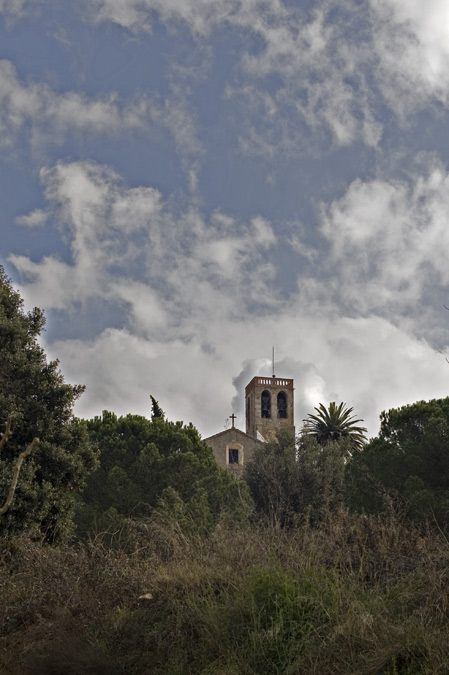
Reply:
x=156, y=410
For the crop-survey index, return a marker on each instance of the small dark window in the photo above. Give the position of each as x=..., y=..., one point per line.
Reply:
x=233, y=456
x=247, y=412
x=282, y=404
x=266, y=404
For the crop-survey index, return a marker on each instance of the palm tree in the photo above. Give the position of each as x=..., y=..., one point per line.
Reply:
x=334, y=423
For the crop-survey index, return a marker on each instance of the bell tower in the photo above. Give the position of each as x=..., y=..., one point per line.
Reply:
x=269, y=406
x=269, y=409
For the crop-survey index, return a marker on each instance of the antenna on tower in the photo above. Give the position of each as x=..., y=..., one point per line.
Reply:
x=273, y=363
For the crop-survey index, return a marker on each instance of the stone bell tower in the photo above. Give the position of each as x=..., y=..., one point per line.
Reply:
x=269, y=406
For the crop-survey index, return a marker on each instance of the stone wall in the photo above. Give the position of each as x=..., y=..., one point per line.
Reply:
x=232, y=448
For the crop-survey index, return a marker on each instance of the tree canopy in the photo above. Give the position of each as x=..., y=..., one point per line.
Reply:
x=292, y=480
x=35, y=397
x=143, y=461
x=407, y=464
x=273, y=479
x=334, y=423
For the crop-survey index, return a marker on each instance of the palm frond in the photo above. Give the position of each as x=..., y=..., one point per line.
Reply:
x=333, y=423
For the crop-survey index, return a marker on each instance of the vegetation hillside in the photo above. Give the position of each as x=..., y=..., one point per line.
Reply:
x=126, y=550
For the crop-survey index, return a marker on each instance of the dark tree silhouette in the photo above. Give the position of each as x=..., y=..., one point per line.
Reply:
x=156, y=410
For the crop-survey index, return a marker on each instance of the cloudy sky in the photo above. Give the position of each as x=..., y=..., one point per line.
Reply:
x=185, y=183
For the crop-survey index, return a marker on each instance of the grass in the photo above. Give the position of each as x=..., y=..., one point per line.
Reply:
x=356, y=595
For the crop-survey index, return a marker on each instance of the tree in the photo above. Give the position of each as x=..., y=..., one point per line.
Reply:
x=141, y=459
x=273, y=479
x=322, y=469
x=156, y=410
x=292, y=481
x=35, y=397
x=407, y=465
x=335, y=423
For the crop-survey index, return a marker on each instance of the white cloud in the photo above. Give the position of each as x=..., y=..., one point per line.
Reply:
x=367, y=363
x=132, y=15
x=16, y=9
x=52, y=115
x=113, y=229
x=204, y=301
x=332, y=68
x=412, y=41
x=99, y=214
x=148, y=314
x=317, y=61
x=390, y=241
x=263, y=232
x=320, y=73
x=175, y=115
x=199, y=15
x=52, y=279
x=36, y=218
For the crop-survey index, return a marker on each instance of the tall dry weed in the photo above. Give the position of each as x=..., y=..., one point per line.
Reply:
x=356, y=594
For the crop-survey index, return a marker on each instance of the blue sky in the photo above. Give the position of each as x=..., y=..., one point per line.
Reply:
x=185, y=183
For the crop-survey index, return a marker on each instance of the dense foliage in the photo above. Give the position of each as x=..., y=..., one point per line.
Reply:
x=34, y=394
x=407, y=465
x=274, y=480
x=296, y=481
x=144, y=462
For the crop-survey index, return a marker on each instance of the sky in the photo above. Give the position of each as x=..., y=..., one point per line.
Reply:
x=186, y=183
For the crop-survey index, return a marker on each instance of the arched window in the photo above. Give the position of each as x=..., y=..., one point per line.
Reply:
x=266, y=403
x=282, y=404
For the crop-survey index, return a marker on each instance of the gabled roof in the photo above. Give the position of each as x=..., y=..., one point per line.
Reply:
x=235, y=433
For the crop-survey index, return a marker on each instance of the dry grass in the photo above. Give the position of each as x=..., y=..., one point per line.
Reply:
x=357, y=595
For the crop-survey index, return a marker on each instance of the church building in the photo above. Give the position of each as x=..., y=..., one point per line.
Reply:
x=269, y=408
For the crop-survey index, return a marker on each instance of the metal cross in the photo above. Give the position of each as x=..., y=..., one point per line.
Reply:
x=232, y=417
